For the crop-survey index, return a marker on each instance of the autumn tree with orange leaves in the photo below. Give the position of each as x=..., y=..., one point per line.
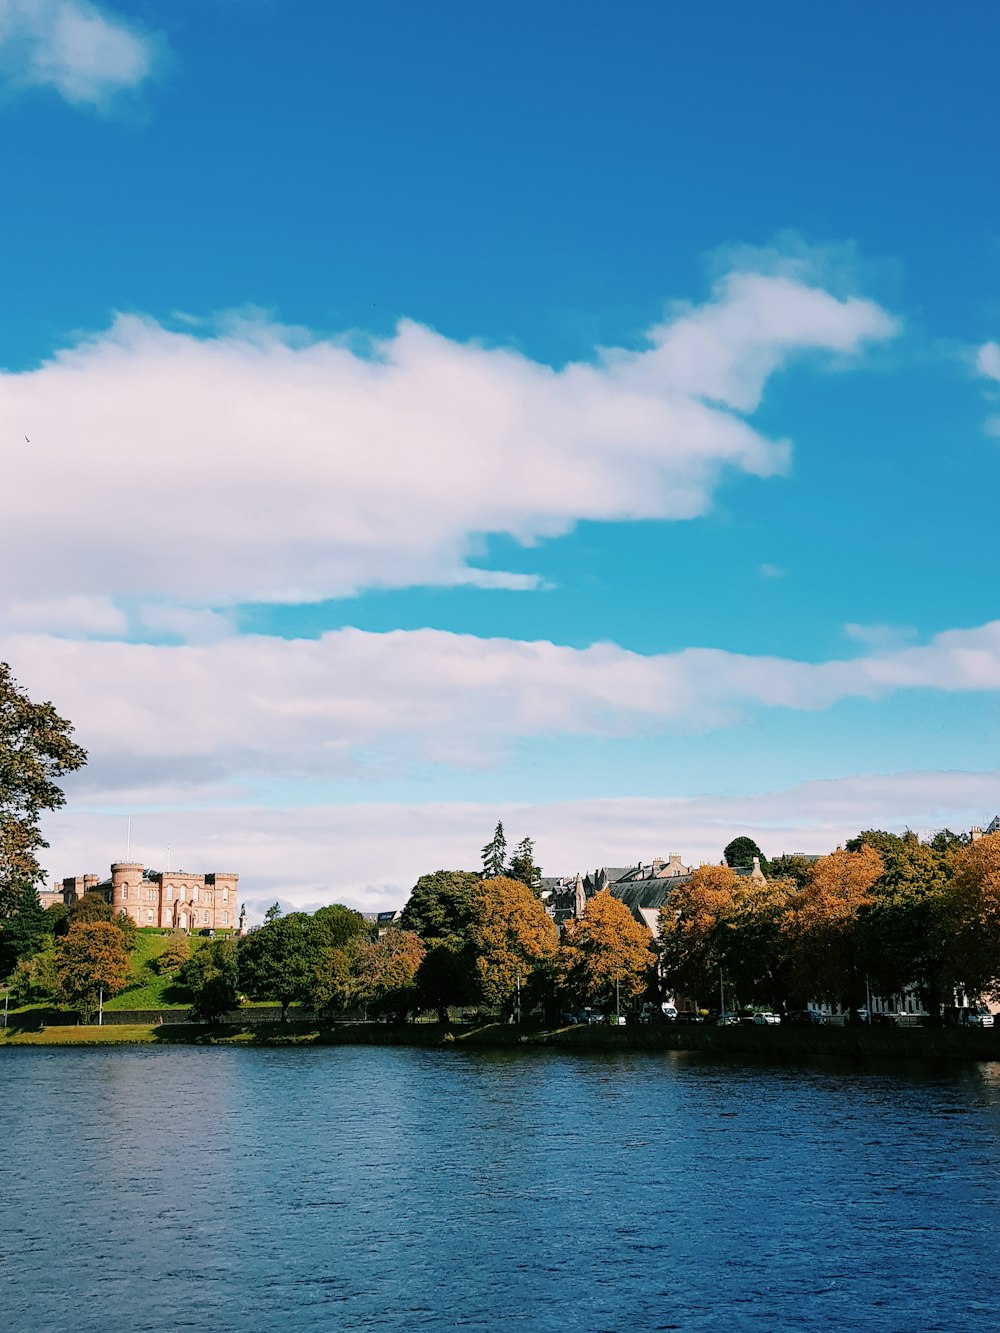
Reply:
x=605, y=955
x=694, y=925
x=511, y=935
x=91, y=958
x=824, y=927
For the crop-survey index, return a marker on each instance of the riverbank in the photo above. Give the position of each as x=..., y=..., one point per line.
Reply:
x=785, y=1044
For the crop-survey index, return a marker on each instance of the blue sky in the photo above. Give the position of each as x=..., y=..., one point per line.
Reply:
x=306, y=314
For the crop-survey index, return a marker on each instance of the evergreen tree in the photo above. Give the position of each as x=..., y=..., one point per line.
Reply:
x=495, y=854
x=741, y=852
x=26, y=930
x=522, y=865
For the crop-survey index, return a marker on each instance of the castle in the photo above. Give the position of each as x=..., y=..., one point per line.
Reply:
x=170, y=899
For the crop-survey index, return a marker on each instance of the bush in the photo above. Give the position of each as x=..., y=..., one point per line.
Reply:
x=174, y=956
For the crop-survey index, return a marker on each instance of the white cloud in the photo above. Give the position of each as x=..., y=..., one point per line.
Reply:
x=256, y=464
x=988, y=360
x=197, y=716
x=370, y=855
x=880, y=637
x=84, y=53
x=71, y=616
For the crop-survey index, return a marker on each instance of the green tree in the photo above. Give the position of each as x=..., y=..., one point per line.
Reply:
x=971, y=918
x=331, y=987
x=791, y=865
x=90, y=906
x=26, y=931
x=89, y=959
x=446, y=977
x=752, y=945
x=522, y=865
x=605, y=957
x=439, y=908
x=741, y=852
x=495, y=854
x=336, y=925
x=34, y=979
x=276, y=960
x=212, y=976
x=902, y=927
x=36, y=750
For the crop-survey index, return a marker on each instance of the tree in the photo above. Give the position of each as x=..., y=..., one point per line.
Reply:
x=384, y=971
x=511, y=934
x=92, y=957
x=791, y=865
x=35, y=751
x=446, y=977
x=33, y=979
x=26, y=931
x=90, y=906
x=971, y=918
x=693, y=927
x=741, y=852
x=752, y=945
x=176, y=955
x=605, y=956
x=439, y=910
x=522, y=865
x=276, y=960
x=336, y=925
x=212, y=976
x=439, y=906
x=901, y=929
x=822, y=926
x=495, y=854
x=331, y=987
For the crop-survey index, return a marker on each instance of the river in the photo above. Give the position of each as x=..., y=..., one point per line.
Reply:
x=348, y=1188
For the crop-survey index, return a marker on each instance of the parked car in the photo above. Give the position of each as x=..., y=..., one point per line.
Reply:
x=972, y=1016
x=658, y=1013
x=767, y=1019
x=804, y=1018
x=689, y=1016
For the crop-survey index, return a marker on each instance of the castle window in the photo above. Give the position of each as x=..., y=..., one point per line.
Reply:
x=208, y=896
x=149, y=914
x=170, y=895
x=225, y=918
x=124, y=892
x=225, y=895
x=194, y=895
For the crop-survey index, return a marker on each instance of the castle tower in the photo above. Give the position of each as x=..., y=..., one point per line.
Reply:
x=126, y=888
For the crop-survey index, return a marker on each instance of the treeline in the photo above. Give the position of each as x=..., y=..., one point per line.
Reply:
x=880, y=916
x=884, y=914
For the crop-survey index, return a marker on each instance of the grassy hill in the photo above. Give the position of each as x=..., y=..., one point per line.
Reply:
x=150, y=990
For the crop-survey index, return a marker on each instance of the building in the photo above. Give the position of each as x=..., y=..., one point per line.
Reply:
x=170, y=899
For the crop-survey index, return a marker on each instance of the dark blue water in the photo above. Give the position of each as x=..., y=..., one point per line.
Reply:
x=364, y=1188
